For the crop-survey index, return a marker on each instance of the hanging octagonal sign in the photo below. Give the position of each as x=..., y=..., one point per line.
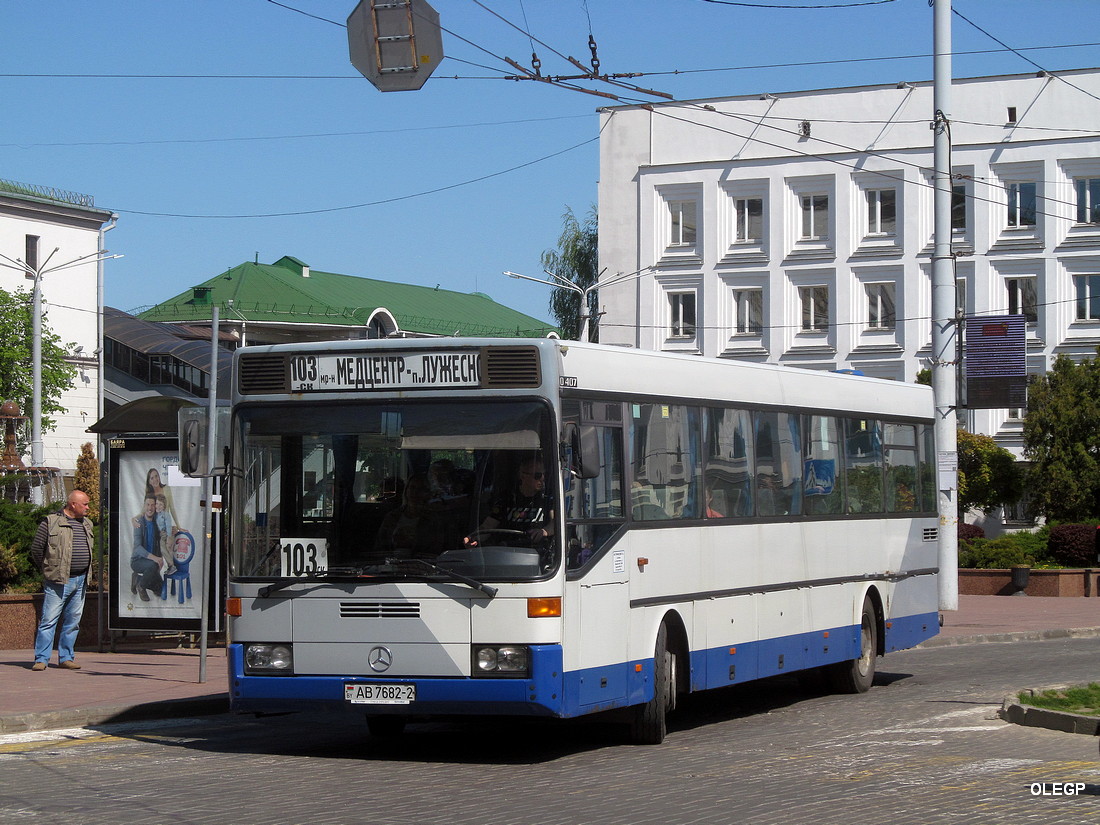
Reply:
x=395, y=44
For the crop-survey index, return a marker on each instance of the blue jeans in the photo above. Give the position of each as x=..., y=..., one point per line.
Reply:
x=64, y=602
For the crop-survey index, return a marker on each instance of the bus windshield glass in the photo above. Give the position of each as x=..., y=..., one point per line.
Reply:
x=373, y=489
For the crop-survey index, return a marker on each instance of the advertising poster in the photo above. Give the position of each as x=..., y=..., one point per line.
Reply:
x=158, y=552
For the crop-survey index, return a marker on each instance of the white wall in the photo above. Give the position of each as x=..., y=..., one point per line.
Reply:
x=69, y=307
x=863, y=138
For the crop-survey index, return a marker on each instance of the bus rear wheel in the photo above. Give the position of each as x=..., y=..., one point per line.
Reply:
x=856, y=675
x=648, y=724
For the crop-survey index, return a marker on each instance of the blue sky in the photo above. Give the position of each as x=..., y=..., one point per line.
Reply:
x=448, y=185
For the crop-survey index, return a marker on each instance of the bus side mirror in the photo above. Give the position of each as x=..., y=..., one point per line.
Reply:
x=584, y=443
x=192, y=435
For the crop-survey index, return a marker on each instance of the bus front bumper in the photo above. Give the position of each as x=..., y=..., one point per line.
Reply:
x=540, y=694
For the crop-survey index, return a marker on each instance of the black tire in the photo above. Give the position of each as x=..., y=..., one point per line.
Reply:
x=386, y=727
x=648, y=722
x=856, y=675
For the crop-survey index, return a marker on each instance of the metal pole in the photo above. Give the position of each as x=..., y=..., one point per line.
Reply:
x=36, y=383
x=100, y=453
x=208, y=491
x=944, y=329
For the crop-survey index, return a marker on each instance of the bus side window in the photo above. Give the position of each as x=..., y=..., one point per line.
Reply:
x=729, y=462
x=593, y=505
x=863, y=460
x=778, y=464
x=822, y=466
x=666, y=481
x=902, y=490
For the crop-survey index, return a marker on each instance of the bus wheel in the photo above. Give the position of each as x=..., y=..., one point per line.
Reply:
x=856, y=675
x=647, y=726
x=386, y=727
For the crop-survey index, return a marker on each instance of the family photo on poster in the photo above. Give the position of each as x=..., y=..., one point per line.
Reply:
x=160, y=522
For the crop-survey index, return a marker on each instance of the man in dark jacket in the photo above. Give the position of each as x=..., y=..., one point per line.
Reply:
x=62, y=550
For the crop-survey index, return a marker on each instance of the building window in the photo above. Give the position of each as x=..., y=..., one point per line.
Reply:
x=1021, y=204
x=1088, y=297
x=815, y=217
x=1088, y=200
x=1023, y=298
x=815, y=308
x=881, y=312
x=682, y=314
x=750, y=220
x=683, y=223
x=958, y=209
x=881, y=211
x=749, y=306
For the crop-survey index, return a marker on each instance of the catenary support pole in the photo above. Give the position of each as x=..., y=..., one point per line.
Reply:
x=944, y=326
x=208, y=494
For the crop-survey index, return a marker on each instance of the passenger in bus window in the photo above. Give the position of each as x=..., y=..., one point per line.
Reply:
x=711, y=512
x=524, y=510
x=414, y=530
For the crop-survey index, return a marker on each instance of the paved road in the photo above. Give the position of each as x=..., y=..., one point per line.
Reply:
x=924, y=746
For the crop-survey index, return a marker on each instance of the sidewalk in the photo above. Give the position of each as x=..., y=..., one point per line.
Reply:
x=144, y=682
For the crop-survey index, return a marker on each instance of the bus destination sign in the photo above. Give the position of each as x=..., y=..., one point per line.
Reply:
x=385, y=371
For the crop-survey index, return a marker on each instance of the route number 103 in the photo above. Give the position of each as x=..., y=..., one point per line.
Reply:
x=302, y=557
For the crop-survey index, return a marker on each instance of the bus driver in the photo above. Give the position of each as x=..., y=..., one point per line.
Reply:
x=525, y=508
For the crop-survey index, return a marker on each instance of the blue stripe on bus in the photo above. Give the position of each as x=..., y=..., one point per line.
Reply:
x=539, y=695
x=733, y=664
x=632, y=683
x=551, y=692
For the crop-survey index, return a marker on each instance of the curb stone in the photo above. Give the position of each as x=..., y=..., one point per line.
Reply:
x=1034, y=717
x=1015, y=636
x=91, y=717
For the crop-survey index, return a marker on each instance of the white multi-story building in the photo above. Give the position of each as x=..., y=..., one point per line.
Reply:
x=47, y=228
x=797, y=228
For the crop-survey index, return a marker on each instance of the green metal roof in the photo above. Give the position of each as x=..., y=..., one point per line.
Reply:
x=289, y=292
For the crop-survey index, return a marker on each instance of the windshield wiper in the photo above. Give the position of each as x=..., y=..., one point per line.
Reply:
x=340, y=573
x=449, y=574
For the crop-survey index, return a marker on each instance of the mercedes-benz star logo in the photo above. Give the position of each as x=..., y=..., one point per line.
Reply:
x=379, y=659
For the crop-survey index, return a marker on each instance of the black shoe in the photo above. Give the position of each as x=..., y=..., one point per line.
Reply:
x=143, y=595
x=134, y=582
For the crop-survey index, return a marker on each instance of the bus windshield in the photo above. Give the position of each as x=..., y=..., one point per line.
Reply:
x=372, y=489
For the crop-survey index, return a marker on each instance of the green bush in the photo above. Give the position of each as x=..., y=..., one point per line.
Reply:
x=1073, y=545
x=1004, y=551
x=18, y=523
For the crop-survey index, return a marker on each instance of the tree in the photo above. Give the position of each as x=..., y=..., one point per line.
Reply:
x=87, y=478
x=1062, y=439
x=16, y=366
x=988, y=473
x=576, y=260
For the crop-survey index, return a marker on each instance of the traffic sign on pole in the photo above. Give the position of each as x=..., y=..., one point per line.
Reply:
x=395, y=44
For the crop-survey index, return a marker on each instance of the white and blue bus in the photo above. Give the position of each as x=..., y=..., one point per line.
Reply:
x=686, y=524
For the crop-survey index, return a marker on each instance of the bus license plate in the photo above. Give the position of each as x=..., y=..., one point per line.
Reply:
x=373, y=694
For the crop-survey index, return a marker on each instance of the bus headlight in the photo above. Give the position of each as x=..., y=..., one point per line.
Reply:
x=501, y=660
x=269, y=659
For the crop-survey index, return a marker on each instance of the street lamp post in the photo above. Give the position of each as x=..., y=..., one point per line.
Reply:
x=564, y=283
x=36, y=338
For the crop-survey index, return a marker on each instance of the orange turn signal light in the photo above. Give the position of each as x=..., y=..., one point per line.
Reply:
x=545, y=607
x=233, y=607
